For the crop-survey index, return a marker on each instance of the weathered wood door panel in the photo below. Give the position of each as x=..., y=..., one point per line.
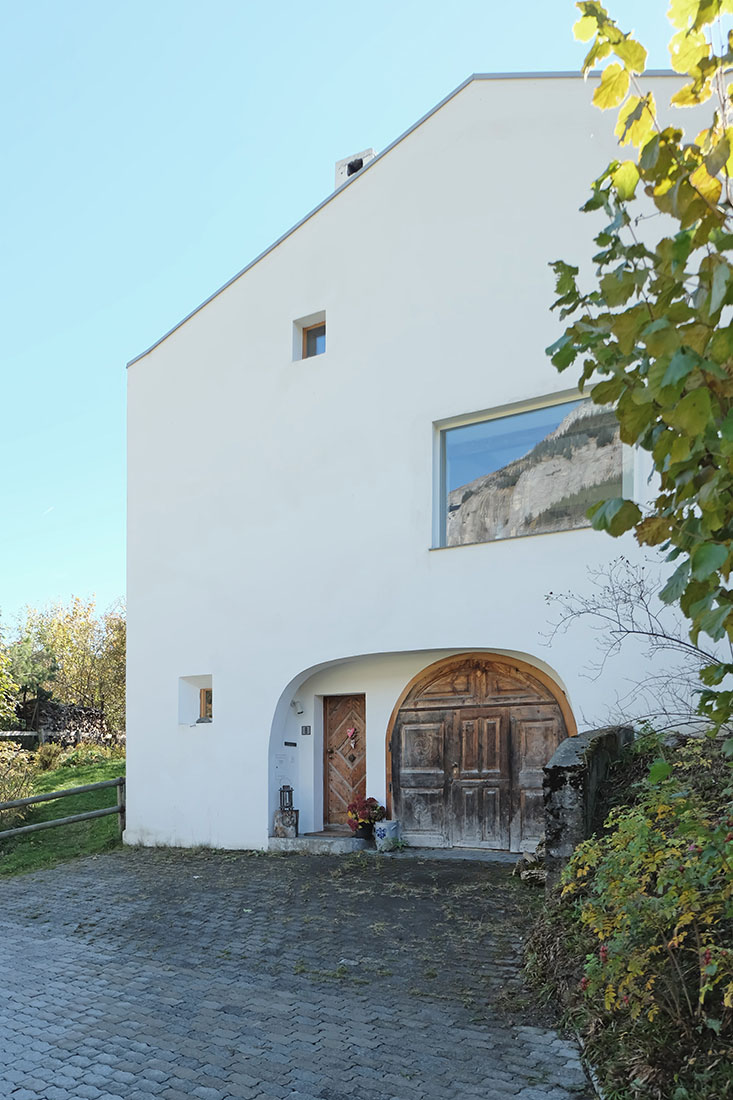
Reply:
x=468, y=748
x=345, y=757
x=420, y=746
x=535, y=734
x=480, y=778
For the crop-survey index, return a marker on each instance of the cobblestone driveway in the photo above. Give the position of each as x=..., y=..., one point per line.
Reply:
x=147, y=974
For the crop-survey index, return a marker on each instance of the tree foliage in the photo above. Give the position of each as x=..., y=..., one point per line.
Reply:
x=8, y=689
x=654, y=334
x=70, y=652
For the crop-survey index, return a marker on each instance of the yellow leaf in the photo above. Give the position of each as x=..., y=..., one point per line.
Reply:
x=682, y=12
x=625, y=179
x=632, y=54
x=636, y=120
x=689, y=96
x=729, y=162
x=687, y=49
x=613, y=87
x=706, y=185
x=585, y=28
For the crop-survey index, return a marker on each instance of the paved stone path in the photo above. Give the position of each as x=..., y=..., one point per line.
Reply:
x=141, y=975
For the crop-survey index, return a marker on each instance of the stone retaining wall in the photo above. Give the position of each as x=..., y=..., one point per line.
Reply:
x=571, y=783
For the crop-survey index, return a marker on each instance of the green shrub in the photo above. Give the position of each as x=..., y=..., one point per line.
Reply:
x=86, y=755
x=654, y=897
x=16, y=779
x=47, y=755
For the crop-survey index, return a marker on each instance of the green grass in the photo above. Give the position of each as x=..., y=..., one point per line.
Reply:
x=50, y=846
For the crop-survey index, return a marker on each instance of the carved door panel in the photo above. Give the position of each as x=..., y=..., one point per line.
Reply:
x=345, y=758
x=480, y=779
x=535, y=734
x=468, y=748
x=419, y=766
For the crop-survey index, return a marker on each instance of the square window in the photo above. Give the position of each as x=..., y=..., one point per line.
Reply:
x=527, y=473
x=309, y=336
x=314, y=340
x=195, y=700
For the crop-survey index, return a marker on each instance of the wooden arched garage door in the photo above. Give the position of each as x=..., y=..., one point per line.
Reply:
x=469, y=742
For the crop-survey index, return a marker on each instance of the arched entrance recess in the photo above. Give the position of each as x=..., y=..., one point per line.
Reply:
x=467, y=744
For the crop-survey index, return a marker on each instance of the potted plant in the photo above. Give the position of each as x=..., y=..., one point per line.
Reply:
x=361, y=815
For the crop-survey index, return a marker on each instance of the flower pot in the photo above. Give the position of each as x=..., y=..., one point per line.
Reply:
x=364, y=831
x=387, y=835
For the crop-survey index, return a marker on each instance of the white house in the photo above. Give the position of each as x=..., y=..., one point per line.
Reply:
x=353, y=478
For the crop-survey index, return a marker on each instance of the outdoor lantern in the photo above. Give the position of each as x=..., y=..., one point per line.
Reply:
x=286, y=798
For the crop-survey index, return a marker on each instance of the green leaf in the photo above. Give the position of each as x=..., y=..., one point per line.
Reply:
x=681, y=364
x=618, y=286
x=615, y=516
x=626, y=326
x=564, y=278
x=692, y=414
x=721, y=278
x=676, y=584
x=612, y=89
x=708, y=559
x=713, y=622
x=659, y=771
x=726, y=428
x=603, y=393
x=562, y=352
x=713, y=1024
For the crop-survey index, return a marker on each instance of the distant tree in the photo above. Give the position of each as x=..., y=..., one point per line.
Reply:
x=8, y=691
x=77, y=656
x=32, y=665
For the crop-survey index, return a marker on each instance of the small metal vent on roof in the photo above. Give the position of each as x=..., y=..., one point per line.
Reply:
x=349, y=166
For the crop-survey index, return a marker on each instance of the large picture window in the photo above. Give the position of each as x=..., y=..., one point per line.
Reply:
x=528, y=473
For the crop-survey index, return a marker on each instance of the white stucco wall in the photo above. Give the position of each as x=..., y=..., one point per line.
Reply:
x=281, y=513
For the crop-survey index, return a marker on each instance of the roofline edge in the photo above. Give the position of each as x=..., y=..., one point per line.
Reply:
x=347, y=183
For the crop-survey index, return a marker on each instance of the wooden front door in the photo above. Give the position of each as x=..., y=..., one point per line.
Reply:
x=344, y=743
x=468, y=748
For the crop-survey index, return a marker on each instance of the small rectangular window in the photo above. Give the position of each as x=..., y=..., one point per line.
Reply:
x=528, y=473
x=195, y=699
x=205, y=704
x=314, y=340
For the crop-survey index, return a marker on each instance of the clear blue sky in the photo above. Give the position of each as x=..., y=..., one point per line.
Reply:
x=151, y=149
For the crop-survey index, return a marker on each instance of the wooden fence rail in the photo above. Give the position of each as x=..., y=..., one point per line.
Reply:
x=17, y=803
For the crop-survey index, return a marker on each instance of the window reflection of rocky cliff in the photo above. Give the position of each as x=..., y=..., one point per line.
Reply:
x=548, y=489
